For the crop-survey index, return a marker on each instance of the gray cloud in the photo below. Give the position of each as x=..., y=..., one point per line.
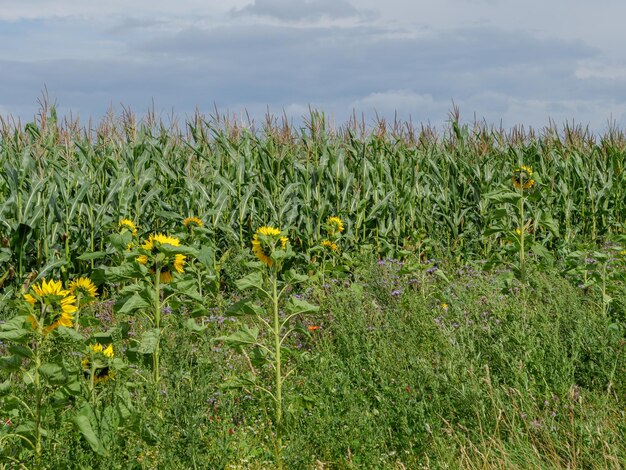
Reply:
x=299, y=10
x=132, y=24
x=499, y=74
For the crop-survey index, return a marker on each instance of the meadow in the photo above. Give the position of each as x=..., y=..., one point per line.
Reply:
x=210, y=294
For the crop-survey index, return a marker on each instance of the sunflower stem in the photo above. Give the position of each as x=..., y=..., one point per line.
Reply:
x=38, y=387
x=277, y=368
x=92, y=381
x=76, y=327
x=157, y=325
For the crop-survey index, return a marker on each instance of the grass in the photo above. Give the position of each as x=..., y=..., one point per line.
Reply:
x=394, y=381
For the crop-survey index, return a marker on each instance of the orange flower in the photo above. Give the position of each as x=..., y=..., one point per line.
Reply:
x=314, y=327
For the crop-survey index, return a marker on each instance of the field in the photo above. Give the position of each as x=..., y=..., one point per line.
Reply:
x=218, y=295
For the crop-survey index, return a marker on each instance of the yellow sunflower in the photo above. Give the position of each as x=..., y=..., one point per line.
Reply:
x=57, y=304
x=127, y=224
x=330, y=245
x=162, y=239
x=190, y=222
x=522, y=177
x=179, y=263
x=264, y=241
x=335, y=225
x=101, y=356
x=166, y=277
x=175, y=263
x=85, y=287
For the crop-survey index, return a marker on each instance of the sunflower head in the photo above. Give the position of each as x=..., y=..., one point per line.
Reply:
x=334, y=225
x=84, y=287
x=329, y=245
x=265, y=241
x=523, y=177
x=166, y=277
x=98, y=362
x=191, y=222
x=127, y=224
x=54, y=305
x=168, y=262
x=155, y=240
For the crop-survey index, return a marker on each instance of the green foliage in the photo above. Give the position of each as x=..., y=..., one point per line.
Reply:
x=444, y=335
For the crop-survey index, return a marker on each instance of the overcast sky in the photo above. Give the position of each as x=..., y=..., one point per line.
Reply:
x=502, y=60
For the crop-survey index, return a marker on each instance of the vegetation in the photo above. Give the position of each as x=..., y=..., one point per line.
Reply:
x=222, y=296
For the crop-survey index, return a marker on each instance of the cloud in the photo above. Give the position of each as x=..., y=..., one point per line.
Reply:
x=133, y=24
x=509, y=74
x=299, y=10
x=594, y=70
x=403, y=101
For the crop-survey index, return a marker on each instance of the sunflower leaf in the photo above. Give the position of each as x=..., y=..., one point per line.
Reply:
x=252, y=280
x=83, y=422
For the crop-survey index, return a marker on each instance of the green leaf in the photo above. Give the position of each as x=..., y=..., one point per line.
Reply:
x=121, y=240
x=48, y=268
x=14, y=329
x=258, y=358
x=119, y=273
x=149, y=341
x=240, y=338
x=297, y=307
x=541, y=251
x=546, y=221
x=69, y=333
x=191, y=325
x=252, y=280
x=83, y=422
x=440, y=274
x=5, y=255
x=245, y=307
x=293, y=277
x=246, y=380
x=53, y=373
x=206, y=256
x=134, y=302
x=92, y=255
x=21, y=351
x=503, y=196
x=5, y=387
x=170, y=250
x=10, y=363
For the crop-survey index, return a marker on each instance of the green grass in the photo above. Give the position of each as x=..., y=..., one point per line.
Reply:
x=395, y=382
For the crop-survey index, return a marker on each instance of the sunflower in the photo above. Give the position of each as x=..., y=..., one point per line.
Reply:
x=101, y=357
x=264, y=241
x=170, y=263
x=334, y=225
x=179, y=263
x=84, y=287
x=330, y=245
x=127, y=224
x=166, y=277
x=190, y=222
x=522, y=177
x=57, y=305
x=150, y=245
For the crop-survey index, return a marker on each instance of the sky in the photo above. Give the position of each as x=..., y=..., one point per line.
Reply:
x=502, y=61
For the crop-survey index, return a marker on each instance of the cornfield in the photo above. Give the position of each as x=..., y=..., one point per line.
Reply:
x=63, y=187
